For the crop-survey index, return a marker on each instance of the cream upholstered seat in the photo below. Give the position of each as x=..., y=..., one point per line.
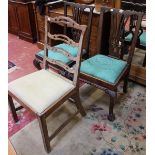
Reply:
x=40, y=90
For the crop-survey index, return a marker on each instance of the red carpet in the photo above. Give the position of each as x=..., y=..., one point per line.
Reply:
x=22, y=54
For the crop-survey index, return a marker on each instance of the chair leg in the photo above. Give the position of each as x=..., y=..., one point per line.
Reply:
x=113, y=97
x=125, y=86
x=78, y=104
x=12, y=108
x=44, y=132
x=36, y=63
x=144, y=62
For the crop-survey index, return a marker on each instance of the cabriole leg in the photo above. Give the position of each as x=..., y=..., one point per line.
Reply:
x=113, y=98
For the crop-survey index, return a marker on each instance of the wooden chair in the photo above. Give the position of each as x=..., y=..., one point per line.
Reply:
x=141, y=40
x=140, y=6
x=106, y=72
x=77, y=12
x=42, y=92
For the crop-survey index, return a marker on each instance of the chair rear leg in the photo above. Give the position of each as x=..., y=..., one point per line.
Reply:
x=125, y=86
x=113, y=98
x=78, y=104
x=44, y=132
x=12, y=108
x=36, y=63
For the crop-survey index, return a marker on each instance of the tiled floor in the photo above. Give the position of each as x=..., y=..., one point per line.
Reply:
x=22, y=54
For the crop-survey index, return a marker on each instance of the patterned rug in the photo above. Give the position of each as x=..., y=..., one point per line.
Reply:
x=93, y=134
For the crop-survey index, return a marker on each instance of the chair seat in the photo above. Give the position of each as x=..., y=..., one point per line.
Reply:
x=40, y=90
x=142, y=38
x=103, y=67
x=58, y=56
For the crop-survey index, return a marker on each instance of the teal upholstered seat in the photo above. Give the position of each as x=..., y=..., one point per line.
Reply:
x=142, y=38
x=103, y=67
x=58, y=56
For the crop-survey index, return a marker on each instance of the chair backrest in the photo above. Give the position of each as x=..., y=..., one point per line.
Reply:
x=63, y=21
x=119, y=23
x=135, y=5
x=81, y=14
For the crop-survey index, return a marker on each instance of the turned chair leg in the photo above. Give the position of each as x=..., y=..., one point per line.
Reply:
x=36, y=63
x=113, y=98
x=78, y=104
x=44, y=132
x=125, y=86
x=12, y=108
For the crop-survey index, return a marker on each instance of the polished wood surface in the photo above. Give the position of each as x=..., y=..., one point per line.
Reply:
x=21, y=20
x=118, y=4
x=13, y=21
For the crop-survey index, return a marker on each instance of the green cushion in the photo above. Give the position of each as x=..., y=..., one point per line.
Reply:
x=142, y=38
x=58, y=56
x=103, y=67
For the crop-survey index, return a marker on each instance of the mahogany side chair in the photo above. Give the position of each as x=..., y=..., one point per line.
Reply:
x=80, y=13
x=106, y=71
x=43, y=91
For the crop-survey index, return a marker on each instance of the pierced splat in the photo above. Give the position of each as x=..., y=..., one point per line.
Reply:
x=78, y=13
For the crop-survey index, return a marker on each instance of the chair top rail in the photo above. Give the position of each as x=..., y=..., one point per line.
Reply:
x=77, y=5
x=66, y=21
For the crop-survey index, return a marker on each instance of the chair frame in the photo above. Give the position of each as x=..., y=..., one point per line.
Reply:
x=115, y=51
x=75, y=71
x=138, y=45
x=78, y=10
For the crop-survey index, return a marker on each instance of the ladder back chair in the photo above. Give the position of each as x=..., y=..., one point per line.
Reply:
x=106, y=72
x=80, y=13
x=43, y=91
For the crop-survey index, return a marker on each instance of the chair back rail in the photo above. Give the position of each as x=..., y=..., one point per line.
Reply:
x=63, y=21
x=119, y=21
x=62, y=38
x=78, y=10
x=61, y=51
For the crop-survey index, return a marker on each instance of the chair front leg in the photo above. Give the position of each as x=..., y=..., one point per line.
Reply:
x=78, y=103
x=12, y=108
x=113, y=98
x=44, y=132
